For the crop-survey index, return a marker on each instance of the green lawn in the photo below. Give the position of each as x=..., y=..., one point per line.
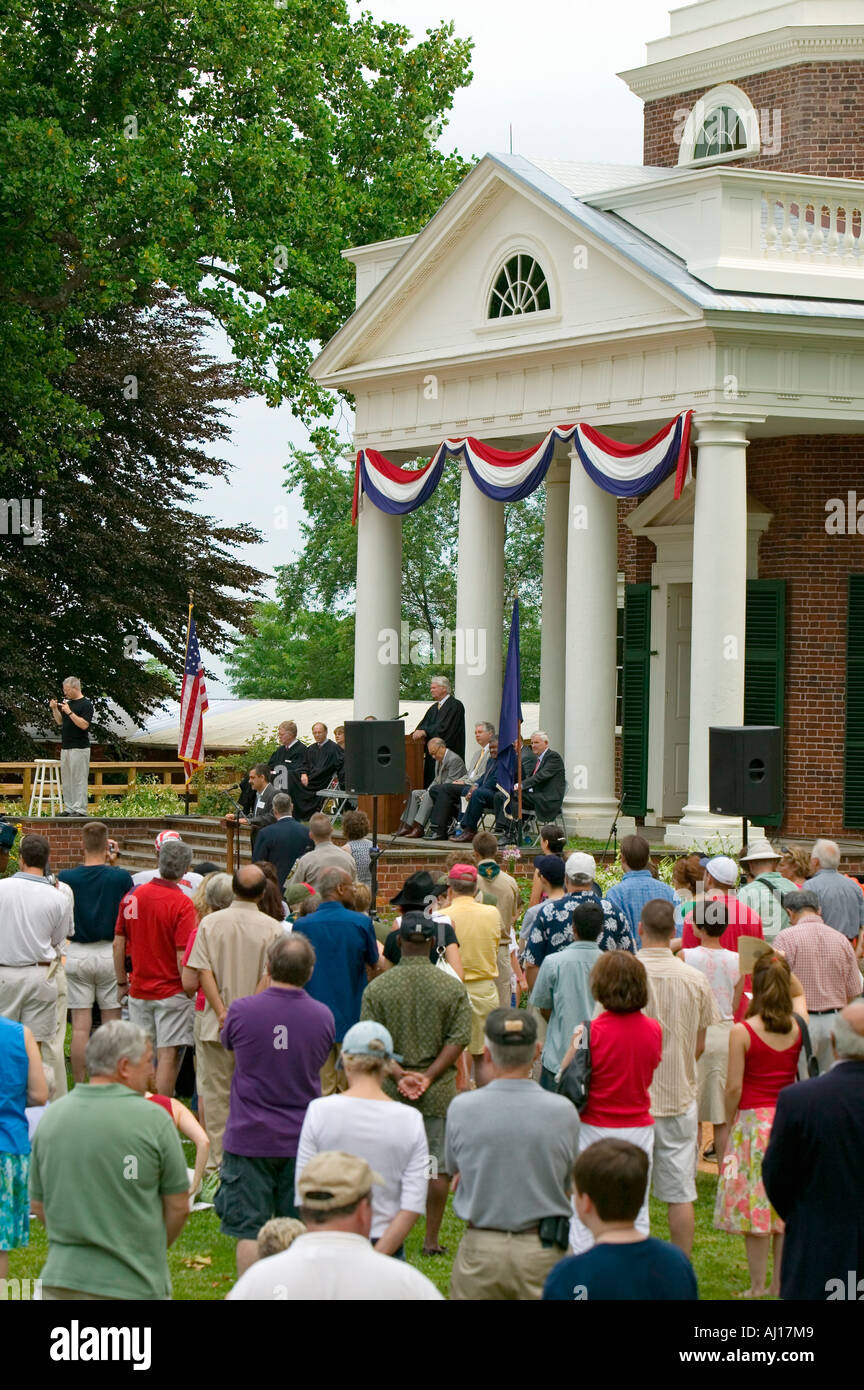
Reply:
x=719, y=1260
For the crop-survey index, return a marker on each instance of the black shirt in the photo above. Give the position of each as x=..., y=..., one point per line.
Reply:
x=394, y=954
x=71, y=736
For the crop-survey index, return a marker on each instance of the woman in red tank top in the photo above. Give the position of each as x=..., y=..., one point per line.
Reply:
x=190, y=1129
x=763, y=1058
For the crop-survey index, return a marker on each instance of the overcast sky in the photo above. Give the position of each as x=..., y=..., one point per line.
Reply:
x=545, y=66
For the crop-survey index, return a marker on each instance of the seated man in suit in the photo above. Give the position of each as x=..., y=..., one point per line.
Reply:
x=542, y=785
x=449, y=767
x=446, y=796
x=481, y=798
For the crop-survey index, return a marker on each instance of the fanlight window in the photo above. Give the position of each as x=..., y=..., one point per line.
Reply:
x=521, y=288
x=723, y=132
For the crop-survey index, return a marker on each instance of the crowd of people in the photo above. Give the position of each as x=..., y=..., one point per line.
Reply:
x=553, y=1065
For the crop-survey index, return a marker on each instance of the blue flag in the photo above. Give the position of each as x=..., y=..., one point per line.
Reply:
x=511, y=715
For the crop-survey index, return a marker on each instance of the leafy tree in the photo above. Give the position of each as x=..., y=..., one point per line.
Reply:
x=120, y=549
x=230, y=150
x=297, y=656
x=320, y=582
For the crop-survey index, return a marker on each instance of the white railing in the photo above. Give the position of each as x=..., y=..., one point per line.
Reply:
x=798, y=228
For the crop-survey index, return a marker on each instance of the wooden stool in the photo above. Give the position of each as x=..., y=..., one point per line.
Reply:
x=53, y=792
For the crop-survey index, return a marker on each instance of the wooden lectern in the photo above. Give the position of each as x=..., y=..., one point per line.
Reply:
x=390, y=808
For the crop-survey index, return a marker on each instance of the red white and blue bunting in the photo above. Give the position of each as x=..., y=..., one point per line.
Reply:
x=625, y=470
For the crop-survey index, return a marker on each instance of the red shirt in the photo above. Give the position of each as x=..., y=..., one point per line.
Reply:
x=743, y=921
x=625, y=1053
x=767, y=1070
x=200, y=997
x=156, y=919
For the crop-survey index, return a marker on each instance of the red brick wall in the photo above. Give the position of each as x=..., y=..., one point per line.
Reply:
x=64, y=835
x=821, y=108
x=795, y=478
x=636, y=554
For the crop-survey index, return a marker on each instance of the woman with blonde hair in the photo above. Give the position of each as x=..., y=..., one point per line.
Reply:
x=763, y=1059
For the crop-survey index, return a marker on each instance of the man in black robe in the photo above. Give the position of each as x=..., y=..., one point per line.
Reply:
x=445, y=719
x=322, y=760
x=289, y=753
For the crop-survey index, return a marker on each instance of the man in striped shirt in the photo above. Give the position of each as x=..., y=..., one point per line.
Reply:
x=680, y=998
x=824, y=961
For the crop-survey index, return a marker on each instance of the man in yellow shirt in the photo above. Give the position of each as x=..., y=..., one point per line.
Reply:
x=478, y=927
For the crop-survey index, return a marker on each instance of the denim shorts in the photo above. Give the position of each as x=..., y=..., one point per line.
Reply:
x=251, y=1192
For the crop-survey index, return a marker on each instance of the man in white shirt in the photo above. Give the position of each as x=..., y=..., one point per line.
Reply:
x=334, y=1261
x=35, y=920
x=189, y=882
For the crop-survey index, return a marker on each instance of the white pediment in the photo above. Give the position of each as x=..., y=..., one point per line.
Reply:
x=430, y=309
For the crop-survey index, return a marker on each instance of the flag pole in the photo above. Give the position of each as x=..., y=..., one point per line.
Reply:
x=186, y=793
x=519, y=770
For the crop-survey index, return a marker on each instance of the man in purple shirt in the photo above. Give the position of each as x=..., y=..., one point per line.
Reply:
x=280, y=1039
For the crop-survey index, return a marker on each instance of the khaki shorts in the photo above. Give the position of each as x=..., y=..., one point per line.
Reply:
x=170, y=1022
x=27, y=996
x=434, y=1126
x=675, y=1136
x=90, y=975
x=483, y=998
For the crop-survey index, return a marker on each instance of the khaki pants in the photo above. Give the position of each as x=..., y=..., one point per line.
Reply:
x=215, y=1067
x=54, y=1051
x=505, y=970
x=74, y=771
x=333, y=1078
x=501, y=1265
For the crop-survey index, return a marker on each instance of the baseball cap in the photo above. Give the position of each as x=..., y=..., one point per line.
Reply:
x=417, y=926
x=463, y=873
x=297, y=893
x=551, y=867
x=723, y=870
x=511, y=1027
x=581, y=868
x=334, y=1179
x=361, y=1040
x=165, y=835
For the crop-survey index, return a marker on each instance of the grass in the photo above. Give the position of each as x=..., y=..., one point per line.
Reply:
x=202, y=1260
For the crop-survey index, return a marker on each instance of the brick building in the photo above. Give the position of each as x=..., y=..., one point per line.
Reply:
x=724, y=277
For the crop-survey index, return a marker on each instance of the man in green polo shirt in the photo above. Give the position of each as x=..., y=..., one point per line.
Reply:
x=108, y=1178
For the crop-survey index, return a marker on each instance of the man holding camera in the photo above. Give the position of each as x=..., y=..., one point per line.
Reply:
x=74, y=714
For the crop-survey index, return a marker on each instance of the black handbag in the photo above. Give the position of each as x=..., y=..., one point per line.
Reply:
x=812, y=1061
x=576, y=1080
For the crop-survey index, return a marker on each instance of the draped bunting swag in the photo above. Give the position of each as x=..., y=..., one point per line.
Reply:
x=625, y=470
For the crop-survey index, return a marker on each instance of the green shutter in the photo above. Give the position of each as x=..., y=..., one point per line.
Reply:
x=853, y=756
x=636, y=685
x=764, y=657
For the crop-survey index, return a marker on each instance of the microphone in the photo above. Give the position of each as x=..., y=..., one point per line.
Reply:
x=234, y=787
x=402, y=716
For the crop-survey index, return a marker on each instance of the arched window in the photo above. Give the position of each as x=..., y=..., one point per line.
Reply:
x=520, y=288
x=723, y=125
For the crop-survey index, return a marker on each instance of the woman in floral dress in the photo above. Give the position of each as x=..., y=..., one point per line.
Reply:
x=763, y=1058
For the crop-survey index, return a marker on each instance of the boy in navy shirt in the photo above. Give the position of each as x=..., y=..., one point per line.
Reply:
x=609, y=1181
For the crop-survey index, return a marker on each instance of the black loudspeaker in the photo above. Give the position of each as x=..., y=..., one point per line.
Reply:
x=745, y=771
x=375, y=756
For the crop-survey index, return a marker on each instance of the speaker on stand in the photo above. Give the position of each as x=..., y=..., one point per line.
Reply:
x=374, y=766
x=745, y=772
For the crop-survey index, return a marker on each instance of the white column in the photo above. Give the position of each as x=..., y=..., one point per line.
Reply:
x=479, y=606
x=554, y=607
x=719, y=615
x=589, y=646
x=378, y=613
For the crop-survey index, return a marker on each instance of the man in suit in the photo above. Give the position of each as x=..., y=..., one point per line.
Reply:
x=446, y=796
x=449, y=767
x=322, y=761
x=481, y=798
x=812, y=1173
x=262, y=811
x=444, y=719
x=542, y=785
x=282, y=843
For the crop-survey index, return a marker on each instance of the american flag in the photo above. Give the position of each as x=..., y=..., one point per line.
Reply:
x=193, y=704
